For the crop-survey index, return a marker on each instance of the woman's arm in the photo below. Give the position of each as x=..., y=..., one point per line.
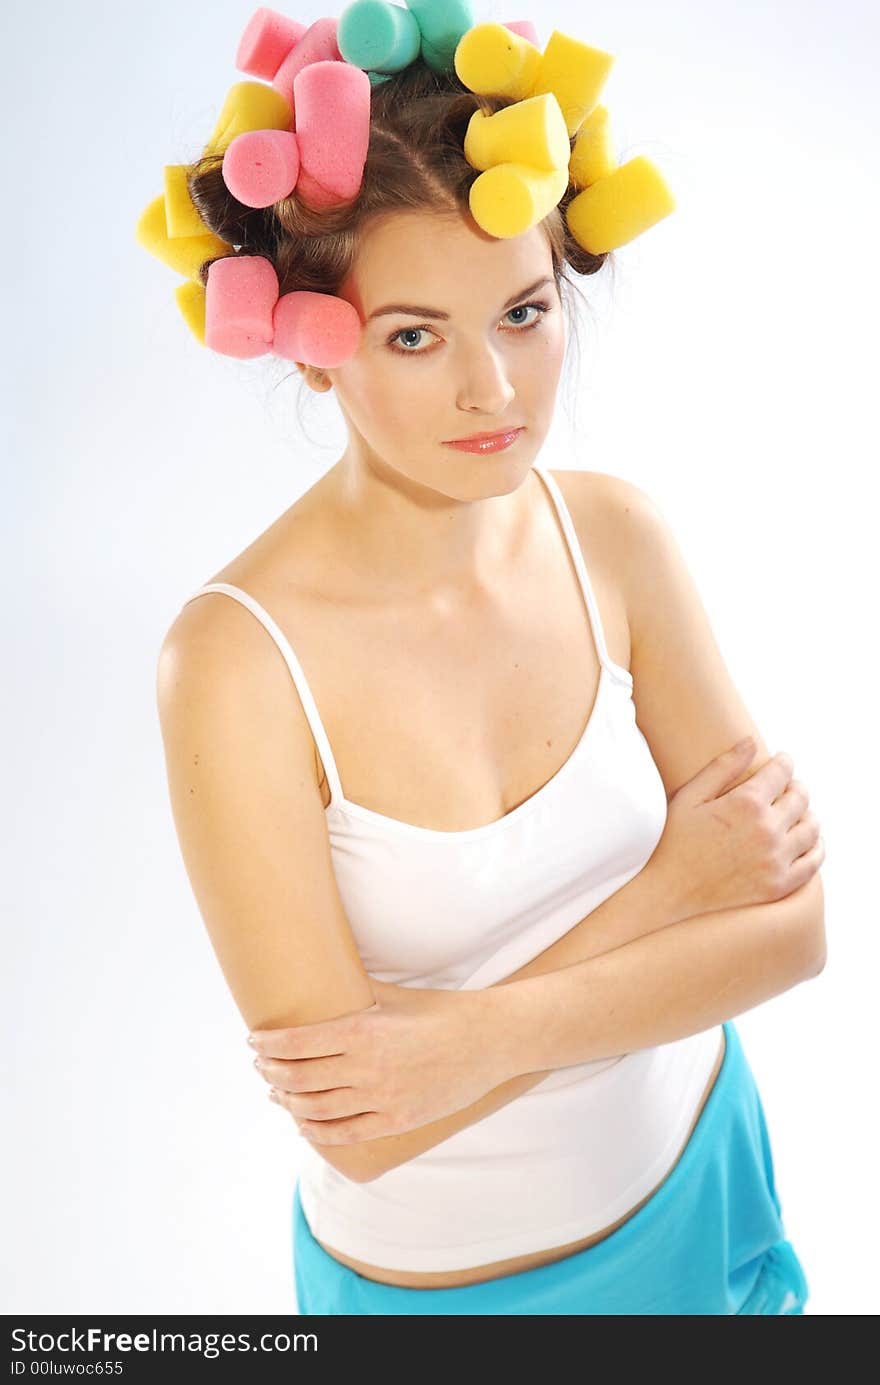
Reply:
x=244, y=792
x=689, y=712
x=642, y=985
x=664, y=986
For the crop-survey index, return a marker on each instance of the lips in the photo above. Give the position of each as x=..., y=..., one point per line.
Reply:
x=487, y=443
x=482, y=437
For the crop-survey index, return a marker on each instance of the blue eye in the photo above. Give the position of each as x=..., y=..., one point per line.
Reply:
x=406, y=332
x=540, y=309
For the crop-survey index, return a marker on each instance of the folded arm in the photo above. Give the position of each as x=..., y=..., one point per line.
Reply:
x=245, y=794
x=633, y=974
x=672, y=982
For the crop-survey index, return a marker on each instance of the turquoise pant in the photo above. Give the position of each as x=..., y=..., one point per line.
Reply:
x=710, y=1240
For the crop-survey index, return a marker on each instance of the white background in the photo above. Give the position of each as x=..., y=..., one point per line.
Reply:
x=729, y=373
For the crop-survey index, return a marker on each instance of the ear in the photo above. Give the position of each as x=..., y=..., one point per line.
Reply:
x=317, y=379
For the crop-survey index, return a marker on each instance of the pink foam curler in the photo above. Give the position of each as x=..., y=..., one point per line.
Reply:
x=266, y=42
x=318, y=329
x=525, y=28
x=261, y=166
x=240, y=298
x=332, y=130
x=318, y=44
x=312, y=194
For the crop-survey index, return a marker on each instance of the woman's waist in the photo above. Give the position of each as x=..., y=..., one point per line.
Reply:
x=566, y=1164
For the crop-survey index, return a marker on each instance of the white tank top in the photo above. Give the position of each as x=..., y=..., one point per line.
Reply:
x=465, y=909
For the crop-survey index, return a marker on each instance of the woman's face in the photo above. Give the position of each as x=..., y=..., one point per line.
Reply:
x=487, y=357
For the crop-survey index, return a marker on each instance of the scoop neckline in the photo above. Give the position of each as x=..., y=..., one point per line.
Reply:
x=340, y=804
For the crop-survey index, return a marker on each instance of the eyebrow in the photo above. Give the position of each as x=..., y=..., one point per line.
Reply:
x=413, y=310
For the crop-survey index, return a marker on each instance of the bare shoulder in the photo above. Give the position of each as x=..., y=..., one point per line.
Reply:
x=606, y=511
x=218, y=662
x=688, y=704
x=619, y=522
x=224, y=648
x=595, y=502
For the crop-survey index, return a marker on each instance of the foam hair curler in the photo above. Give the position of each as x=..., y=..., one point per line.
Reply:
x=300, y=128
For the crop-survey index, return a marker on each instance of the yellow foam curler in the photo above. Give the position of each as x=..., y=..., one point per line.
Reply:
x=183, y=253
x=619, y=207
x=530, y=132
x=575, y=73
x=181, y=216
x=492, y=60
x=592, y=156
x=550, y=137
x=249, y=106
x=509, y=198
x=191, y=299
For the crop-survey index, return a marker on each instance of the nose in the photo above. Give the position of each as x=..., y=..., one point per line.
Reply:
x=485, y=387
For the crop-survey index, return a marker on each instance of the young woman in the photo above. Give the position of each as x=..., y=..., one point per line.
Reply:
x=492, y=929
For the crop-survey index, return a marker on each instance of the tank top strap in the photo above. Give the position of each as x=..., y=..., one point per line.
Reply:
x=310, y=707
x=574, y=547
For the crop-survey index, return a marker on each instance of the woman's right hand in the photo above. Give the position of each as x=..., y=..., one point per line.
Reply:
x=725, y=848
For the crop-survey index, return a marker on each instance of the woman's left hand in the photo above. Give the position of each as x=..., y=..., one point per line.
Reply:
x=415, y=1056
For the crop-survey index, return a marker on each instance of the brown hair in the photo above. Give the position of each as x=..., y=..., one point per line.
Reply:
x=415, y=161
